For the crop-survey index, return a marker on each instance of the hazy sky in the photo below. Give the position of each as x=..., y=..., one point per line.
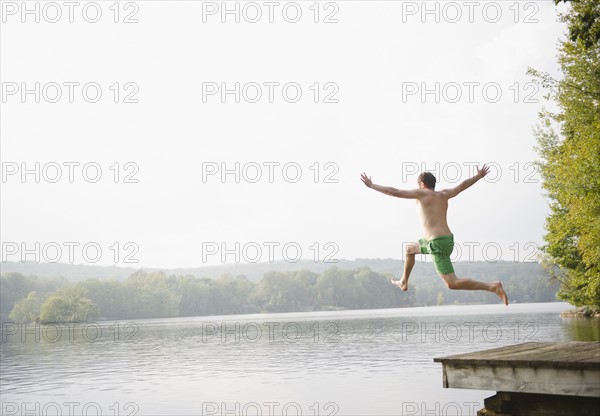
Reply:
x=396, y=92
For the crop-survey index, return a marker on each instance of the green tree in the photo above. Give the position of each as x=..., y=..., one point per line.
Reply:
x=109, y=296
x=570, y=165
x=195, y=295
x=27, y=309
x=283, y=292
x=335, y=288
x=234, y=294
x=151, y=295
x=372, y=290
x=68, y=305
x=13, y=287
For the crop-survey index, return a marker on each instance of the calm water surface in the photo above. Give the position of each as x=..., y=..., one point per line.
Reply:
x=374, y=362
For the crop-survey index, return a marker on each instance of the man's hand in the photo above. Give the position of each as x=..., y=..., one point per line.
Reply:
x=366, y=180
x=482, y=172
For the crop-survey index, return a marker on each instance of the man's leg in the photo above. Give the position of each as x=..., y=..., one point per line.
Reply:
x=454, y=283
x=411, y=250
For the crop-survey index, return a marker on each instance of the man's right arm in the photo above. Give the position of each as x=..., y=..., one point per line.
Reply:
x=452, y=192
x=398, y=193
x=388, y=190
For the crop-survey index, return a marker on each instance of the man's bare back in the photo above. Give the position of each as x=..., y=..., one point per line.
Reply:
x=438, y=241
x=433, y=208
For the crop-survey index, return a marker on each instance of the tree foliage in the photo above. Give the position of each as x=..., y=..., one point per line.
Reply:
x=27, y=309
x=569, y=145
x=68, y=305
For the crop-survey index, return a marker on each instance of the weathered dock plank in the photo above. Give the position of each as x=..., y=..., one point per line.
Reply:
x=531, y=376
x=547, y=354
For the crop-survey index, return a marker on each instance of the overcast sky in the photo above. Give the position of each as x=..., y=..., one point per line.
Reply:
x=396, y=92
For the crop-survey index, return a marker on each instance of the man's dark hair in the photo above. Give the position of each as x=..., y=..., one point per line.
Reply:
x=428, y=179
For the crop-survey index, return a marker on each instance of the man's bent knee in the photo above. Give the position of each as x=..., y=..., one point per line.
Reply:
x=450, y=280
x=412, y=249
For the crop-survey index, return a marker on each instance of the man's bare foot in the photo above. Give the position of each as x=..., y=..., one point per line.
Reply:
x=499, y=290
x=400, y=283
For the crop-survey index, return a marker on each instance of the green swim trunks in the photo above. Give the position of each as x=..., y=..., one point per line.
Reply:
x=440, y=249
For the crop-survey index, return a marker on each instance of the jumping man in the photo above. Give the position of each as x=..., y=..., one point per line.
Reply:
x=439, y=240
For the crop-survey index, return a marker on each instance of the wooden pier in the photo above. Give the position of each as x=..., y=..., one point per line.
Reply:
x=535, y=378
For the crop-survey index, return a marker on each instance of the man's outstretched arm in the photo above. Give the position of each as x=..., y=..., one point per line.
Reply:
x=452, y=192
x=388, y=190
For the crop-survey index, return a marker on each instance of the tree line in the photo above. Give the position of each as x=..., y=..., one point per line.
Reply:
x=569, y=145
x=159, y=295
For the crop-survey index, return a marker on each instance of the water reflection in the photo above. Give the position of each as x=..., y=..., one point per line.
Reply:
x=583, y=329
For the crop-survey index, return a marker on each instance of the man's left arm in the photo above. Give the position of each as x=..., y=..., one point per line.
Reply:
x=452, y=192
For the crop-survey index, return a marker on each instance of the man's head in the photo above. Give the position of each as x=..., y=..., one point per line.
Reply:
x=426, y=180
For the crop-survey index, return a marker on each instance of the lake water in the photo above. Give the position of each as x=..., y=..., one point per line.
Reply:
x=371, y=362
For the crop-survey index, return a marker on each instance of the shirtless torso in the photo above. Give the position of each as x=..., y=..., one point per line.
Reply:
x=433, y=209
